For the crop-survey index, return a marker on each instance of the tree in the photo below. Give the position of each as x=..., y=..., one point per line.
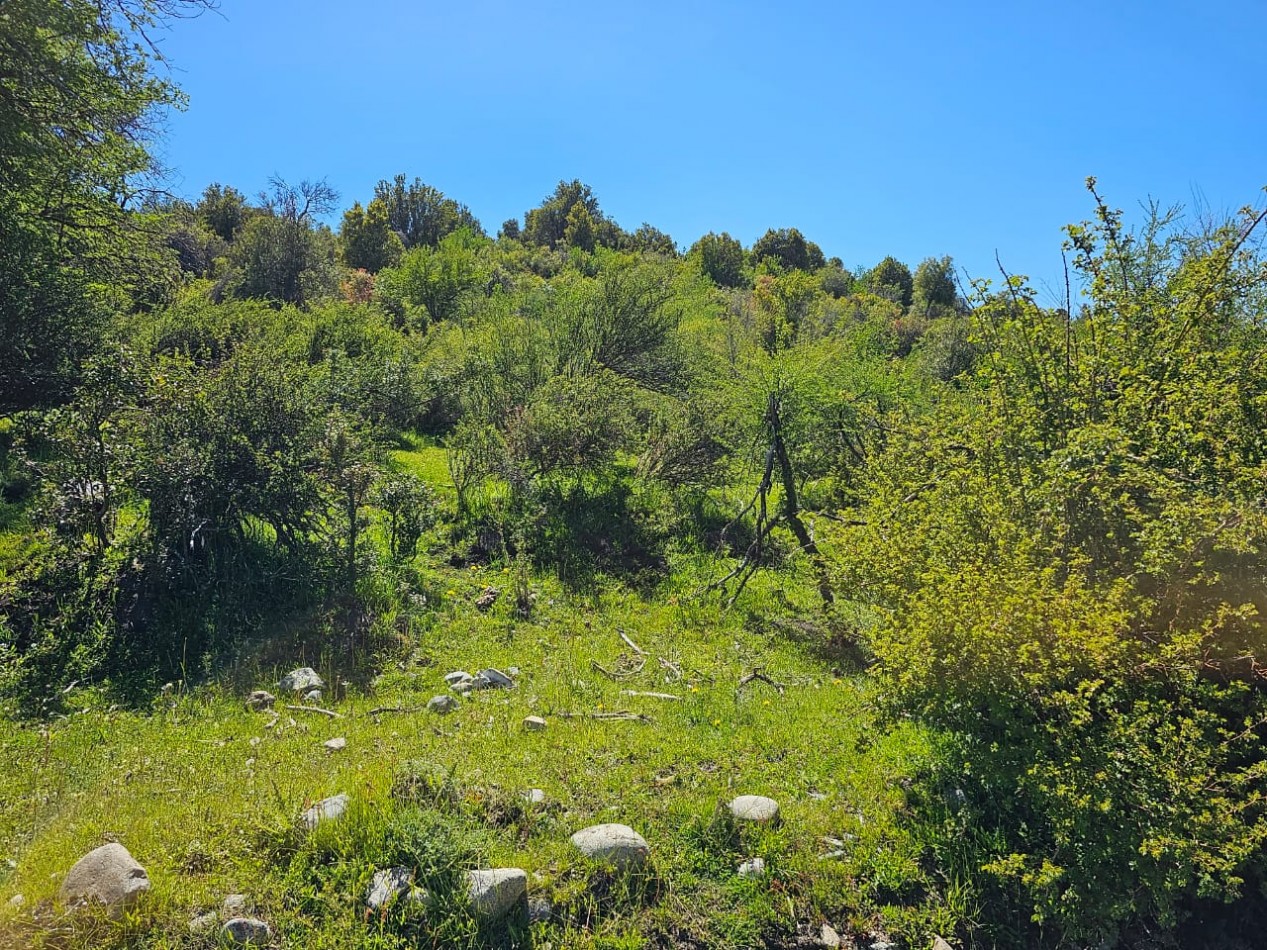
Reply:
x=891, y=279
x=721, y=259
x=934, y=286
x=547, y=225
x=578, y=232
x=429, y=283
x=280, y=255
x=510, y=229
x=368, y=242
x=788, y=248
x=223, y=209
x=651, y=240
x=421, y=214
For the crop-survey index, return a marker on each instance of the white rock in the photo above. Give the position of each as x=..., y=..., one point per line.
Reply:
x=312, y=696
x=234, y=905
x=753, y=867
x=828, y=937
x=494, y=892
x=755, y=808
x=246, y=931
x=388, y=885
x=301, y=680
x=260, y=700
x=442, y=704
x=495, y=678
x=327, y=809
x=940, y=944
x=457, y=676
x=17, y=901
x=336, y=745
x=108, y=875
x=534, y=796
x=534, y=723
x=614, y=844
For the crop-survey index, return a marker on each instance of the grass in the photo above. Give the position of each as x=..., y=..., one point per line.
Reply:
x=207, y=798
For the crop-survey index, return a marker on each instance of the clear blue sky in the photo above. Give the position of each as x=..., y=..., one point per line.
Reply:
x=911, y=129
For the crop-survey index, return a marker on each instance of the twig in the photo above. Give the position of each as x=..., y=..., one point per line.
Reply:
x=633, y=646
x=758, y=675
x=671, y=667
x=618, y=676
x=621, y=716
x=379, y=710
x=634, y=692
x=316, y=709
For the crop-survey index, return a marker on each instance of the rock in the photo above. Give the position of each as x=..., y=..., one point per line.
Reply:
x=246, y=931
x=753, y=867
x=327, y=809
x=755, y=808
x=495, y=678
x=204, y=922
x=940, y=944
x=466, y=687
x=540, y=910
x=442, y=704
x=494, y=892
x=336, y=745
x=17, y=901
x=457, y=676
x=234, y=905
x=312, y=696
x=534, y=796
x=108, y=875
x=301, y=680
x=260, y=700
x=881, y=941
x=418, y=895
x=534, y=723
x=388, y=885
x=827, y=937
x=512, y=671
x=486, y=599
x=613, y=844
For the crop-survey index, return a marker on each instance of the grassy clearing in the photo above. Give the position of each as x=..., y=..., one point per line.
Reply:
x=207, y=798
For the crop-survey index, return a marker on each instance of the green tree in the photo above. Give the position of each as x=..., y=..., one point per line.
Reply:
x=789, y=249
x=430, y=284
x=933, y=287
x=546, y=225
x=721, y=258
x=578, y=232
x=420, y=214
x=280, y=255
x=891, y=279
x=367, y=240
x=224, y=210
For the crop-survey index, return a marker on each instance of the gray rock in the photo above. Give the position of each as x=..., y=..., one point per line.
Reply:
x=336, y=745
x=312, y=696
x=246, y=931
x=17, y=901
x=753, y=867
x=494, y=892
x=881, y=941
x=204, y=922
x=614, y=844
x=755, y=808
x=534, y=723
x=234, y=905
x=442, y=704
x=827, y=937
x=457, y=676
x=260, y=700
x=495, y=678
x=327, y=809
x=540, y=910
x=512, y=671
x=418, y=895
x=534, y=796
x=107, y=875
x=388, y=885
x=301, y=680
x=940, y=944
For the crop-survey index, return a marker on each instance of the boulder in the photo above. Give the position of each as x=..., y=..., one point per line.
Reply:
x=534, y=796
x=753, y=867
x=312, y=696
x=493, y=893
x=495, y=678
x=613, y=844
x=327, y=809
x=301, y=680
x=755, y=808
x=245, y=932
x=443, y=705
x=457, y=676
x=259, y=700
x=827, y=937
x=336, y=745
x=108, y=875
x=388, y=885
x=534, y=723
x=940, y=944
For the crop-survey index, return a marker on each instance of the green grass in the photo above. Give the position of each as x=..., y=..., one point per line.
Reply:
x=207, y=798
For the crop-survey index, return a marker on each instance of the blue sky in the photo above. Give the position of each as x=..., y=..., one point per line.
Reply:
x=911, y=129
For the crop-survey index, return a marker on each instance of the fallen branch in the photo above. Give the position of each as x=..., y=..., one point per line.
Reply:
x=618, y=676
x=316, y=709
x=758, y=675
x=379, y=710
x=621, y=716
x=671, y=667
x=634, y=692
x=633, y=646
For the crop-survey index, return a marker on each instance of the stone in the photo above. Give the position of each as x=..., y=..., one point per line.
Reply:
x=457, y=676
x=534, y=796
x=204, y=922
x=388, y=885
x=312, y=696
x=234, y=905
x=881, y=941
x=614, y=844
x=246, y=931
x=534, y=723
x=301, y=680
x=753, y=867
x=443, y=705
x=940, y=944
x=260, y=700
x=755, y=808
x=495, y=678
x=327, y=809
x=827, y=937
x=107, y=875
x=487, y=598
x=418, y=895
x=336, y=745
x=17, y=901
x=512, y=671
x=540, y=910
x=494, y=892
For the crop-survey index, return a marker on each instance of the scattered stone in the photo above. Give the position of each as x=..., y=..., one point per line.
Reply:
x=336, y=745
x=254, y=741
x=457, y=676
x=388, y=885
x=327, y=809
x=260, y=700
x=442, y=704
x=835, y=855
x=827, y=937
x=540, y=910
x=940, y=944
x=489, y=597
x=881, y=941
x=312, y=696
x=234, y=905
x=418, y=895
x=204, y=922
x=534, y=796
x=495, y=678
x=301, y=680
x=17, y=901
x=535, y=723
x=753, y=867
x=613, y=844
x=108, y=875
x=755, y=808
x=494, y=892
x=246, y=931
x=512, y=671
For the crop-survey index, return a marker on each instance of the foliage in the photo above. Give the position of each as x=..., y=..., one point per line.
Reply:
x=368, y=242
x=721, y=258
x=788, y=249
x=891, y=279
x=430, y=284
x=420, y=214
